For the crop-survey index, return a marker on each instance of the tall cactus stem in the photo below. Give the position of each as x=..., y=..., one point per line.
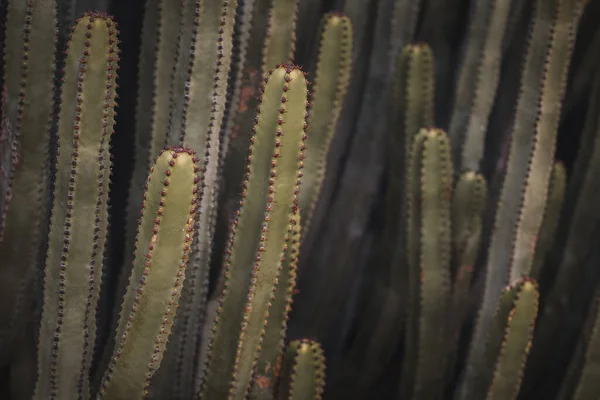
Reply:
x=259, y=235
x=334, y=66
x=162, y=247
x=79, y=216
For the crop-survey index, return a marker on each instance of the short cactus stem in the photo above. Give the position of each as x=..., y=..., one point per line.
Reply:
x=163, y=243
x=510, y=339
x=303, y=371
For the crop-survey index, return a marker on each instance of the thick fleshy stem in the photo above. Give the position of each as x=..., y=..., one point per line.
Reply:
x=258, y=236
x=428, y=230
x=303, y=371
x=79, y=221
x=530, y=160
x=334, y=66
x=164, y=238
x=27, y=107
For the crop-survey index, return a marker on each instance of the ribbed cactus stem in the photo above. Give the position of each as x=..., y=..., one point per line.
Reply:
x=272, y=42
x=478, y=79
x=165, y=233
x=429, y=197
x=259, y=234
x=27, y=106
x=510, y=339
x=268, y=365
x=303, y=372
x=529, y=166
x=552, y=209
x=158, y=55
x=334, y=66
x=470, y=196
x=79, y=215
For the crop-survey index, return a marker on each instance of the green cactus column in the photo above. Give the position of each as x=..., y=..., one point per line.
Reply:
x=428, y=201
x=258, y=236
x=509, y=341
x=334, y=66
x=164, y=237
x=79, y=214
x=303, y=371
x=268, y=365
x=530, y=161
x=27, y=107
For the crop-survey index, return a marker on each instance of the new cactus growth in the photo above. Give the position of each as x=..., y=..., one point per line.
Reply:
x=428, y=201
x=510, y=339
x=303, y=372
x=334, y=66
x=259, y=235
x=164, y=238
x=27, y=106
x=79, y=215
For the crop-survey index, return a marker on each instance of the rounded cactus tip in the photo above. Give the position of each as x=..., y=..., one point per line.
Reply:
x=289, y=67
x=179, y=149
x=524, y=283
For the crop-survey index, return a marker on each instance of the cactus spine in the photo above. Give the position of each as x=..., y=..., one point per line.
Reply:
x=259, y=235
x=334, y=66
x=303, y=373
x=429, y=196
x=529, y=164
x=76, y=246
x=163, y=242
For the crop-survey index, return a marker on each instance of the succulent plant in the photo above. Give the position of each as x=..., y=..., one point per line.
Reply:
x=230, y=236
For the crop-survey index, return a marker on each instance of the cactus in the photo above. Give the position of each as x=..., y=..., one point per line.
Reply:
x=470, y=196
x=303, y=372
x=269, y=363
x=157, y=61
x=165, y=233
x=581, y=381
x=429, y=196
x=581, y=200
x=27, y=106
x=259, y=235
x=334, y=64
x=76, y=246
x=201, y=119
x=271, y=42
x=529, y=165
x=510, y=339
x=556, y=195
x=478, y=80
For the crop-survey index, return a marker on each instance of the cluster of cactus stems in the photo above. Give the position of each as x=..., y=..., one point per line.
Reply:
x=230, y=156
